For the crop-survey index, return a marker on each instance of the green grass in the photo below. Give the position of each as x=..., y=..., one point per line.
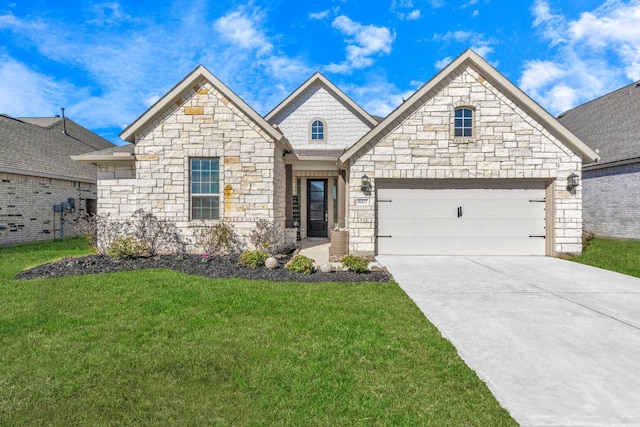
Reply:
x=158, y=347
x=622, y=256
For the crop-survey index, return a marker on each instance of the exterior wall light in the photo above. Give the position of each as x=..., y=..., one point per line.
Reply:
x=572, y=183
x=366, y=184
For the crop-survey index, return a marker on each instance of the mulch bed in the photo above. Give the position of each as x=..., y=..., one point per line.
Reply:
x=214, y=267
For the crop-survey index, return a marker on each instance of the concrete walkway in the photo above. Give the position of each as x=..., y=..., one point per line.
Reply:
x=558, y=343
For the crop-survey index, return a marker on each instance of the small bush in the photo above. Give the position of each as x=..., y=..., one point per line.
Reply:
x=300, y=264
x=253, y=259
x=586, y=239
x=264, y=237
x=355, y=263
x=126, y=247
x=219, y=239
x=156, y=234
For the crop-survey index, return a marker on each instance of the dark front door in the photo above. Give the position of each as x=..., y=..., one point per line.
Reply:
x=317, y=208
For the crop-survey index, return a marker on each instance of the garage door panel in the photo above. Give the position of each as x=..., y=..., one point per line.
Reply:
x=465, y=220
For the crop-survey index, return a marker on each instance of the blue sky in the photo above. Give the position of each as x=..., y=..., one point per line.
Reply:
x=108, y=61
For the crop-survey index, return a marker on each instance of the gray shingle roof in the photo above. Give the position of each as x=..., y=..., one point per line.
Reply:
x=610, y=125
x=37, y=146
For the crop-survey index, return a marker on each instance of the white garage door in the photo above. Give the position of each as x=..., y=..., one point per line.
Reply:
x=461, y=219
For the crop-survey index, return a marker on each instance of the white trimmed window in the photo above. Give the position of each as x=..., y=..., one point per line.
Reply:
x=317, y=131
x=205, y=188
x=463, y=123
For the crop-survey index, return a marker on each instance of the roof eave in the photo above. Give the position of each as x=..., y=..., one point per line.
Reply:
x=318, y=77
x=128, y=134
x=496, y=78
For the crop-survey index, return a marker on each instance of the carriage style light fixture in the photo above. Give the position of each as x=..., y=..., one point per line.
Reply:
x=366, y=184
x=572, y=183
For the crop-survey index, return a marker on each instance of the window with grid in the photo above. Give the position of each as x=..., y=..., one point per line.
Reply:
x=205, y=197
x=317, y=130
x=463, y=125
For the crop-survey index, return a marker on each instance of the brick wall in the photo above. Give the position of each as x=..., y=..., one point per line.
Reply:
x=26, y=207
x=203, y=123
x=509, y=145
x=612, y=201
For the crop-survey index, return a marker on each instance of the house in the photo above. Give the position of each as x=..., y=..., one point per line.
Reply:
x=36, y=174
x=467, y=165
x=611, y=187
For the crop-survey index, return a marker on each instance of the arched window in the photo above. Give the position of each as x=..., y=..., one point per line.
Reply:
x=463, y=123
x=317, y=130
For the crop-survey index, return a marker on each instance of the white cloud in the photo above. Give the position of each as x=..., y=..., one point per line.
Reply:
x=241, y=29
x=440, y=64
x=363, y=42
x=469, y=39
x=594, y=54
x=17, y=83
x=413, y=15
x=378, y=96
x=320, y=15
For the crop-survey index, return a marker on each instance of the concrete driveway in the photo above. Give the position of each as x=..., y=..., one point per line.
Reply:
x=558, y=343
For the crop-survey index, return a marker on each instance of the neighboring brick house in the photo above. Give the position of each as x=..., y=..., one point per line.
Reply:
x=36, y=173
x=467, y=165
x=611, y=194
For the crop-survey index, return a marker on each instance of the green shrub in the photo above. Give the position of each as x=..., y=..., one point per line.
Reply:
x=355, y=263
x=126, y=247
x=218, y=239
x=300, y=264
x=253, y=259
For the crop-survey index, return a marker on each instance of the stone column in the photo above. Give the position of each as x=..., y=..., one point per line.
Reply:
x=342, y=185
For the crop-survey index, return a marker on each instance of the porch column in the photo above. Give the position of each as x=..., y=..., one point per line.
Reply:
x=288, y=196
x=342, y=186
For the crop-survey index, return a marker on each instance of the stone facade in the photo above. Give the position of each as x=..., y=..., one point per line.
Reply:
x=612, y=201
x=508, y=144
x=342, y=126
x=202, y=123
x=26, y=207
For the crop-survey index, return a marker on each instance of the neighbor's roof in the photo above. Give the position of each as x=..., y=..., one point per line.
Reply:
x=118, y=153
x=475, y=61
x=609, y=124
x=38, y=147
x=319, y=79
x=186, y=84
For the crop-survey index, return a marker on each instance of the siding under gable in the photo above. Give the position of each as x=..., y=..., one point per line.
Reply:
x=342, y=126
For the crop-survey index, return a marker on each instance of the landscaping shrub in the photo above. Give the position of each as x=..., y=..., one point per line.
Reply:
x=218, y=239
x=586, y=239
x=253, y=258
x=156, y=234
x=300, y=264
x=126, y=247
x=264, y=237
x=87, y=227
x=355, y=263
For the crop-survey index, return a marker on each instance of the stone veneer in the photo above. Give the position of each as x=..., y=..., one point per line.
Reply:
x=203, y=123
x=612, y=201
x=507, y=144
x=26, y=207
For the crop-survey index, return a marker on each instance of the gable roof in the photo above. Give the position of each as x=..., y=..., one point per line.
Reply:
x=187, y=83
x=472, y=59
x=38, y=147
x=316, y=79
x=609, y=124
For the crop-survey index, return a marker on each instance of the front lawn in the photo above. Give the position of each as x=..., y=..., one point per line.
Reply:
x=158, y=347
x=622, y=256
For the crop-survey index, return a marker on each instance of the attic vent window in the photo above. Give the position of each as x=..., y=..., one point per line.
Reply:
x=463, y=123
x=317, y=131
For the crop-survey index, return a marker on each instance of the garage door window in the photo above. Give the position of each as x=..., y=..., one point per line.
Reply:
x=463, y=123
